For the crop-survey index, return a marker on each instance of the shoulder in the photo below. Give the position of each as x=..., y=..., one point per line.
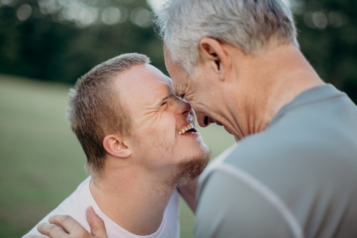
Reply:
x=73, y=205
x=233, y=201
x=290, y=148
x=278, y=178
x=289, y=160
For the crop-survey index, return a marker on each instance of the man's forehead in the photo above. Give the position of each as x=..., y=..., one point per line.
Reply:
x=178, y=75
x=178, y=86
x=141, y=80
x=181, y=81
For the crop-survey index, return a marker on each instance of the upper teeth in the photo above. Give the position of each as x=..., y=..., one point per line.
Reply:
x=186, y=128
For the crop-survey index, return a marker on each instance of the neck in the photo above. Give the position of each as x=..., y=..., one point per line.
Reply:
x=267, y=82
x=131, y=199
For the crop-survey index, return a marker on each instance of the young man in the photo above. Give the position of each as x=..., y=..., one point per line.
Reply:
x=140, y=142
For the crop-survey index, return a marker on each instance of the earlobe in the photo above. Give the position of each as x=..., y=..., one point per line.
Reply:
x=116, y=146
x=212, y=52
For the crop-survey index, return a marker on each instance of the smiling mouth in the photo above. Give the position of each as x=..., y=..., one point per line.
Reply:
x=190, y=128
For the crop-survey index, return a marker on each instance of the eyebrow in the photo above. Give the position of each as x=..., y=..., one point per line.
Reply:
x=167, y=97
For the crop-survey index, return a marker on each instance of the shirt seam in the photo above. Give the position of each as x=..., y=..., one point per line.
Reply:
x=285, y=110
x=266, y=193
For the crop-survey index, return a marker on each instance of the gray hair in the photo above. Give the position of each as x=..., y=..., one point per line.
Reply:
x=96, y=110
x=246, y=24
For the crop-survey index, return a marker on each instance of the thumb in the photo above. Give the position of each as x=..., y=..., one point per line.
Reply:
x=96, y=224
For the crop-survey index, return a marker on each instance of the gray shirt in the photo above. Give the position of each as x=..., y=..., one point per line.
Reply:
x=298, y=178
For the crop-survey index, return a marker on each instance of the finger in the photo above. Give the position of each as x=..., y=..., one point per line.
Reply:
x=96, y=224
x=51, y=230
x=66, y=222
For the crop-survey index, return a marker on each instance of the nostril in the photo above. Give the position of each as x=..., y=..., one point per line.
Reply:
x=205, y=121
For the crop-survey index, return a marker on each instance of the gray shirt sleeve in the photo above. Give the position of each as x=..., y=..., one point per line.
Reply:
x=230, y=206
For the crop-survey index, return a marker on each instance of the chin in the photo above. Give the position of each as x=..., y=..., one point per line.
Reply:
x=192, y=167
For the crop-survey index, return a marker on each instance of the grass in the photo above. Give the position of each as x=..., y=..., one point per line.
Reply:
x=41, y=161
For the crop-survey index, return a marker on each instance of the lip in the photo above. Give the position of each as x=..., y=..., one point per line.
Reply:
x=188, y=128
x=194, y=134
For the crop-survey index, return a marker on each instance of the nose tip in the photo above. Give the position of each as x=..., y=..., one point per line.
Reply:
x=185, y=107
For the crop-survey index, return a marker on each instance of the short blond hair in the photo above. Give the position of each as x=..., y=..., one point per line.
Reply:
x=95, y=109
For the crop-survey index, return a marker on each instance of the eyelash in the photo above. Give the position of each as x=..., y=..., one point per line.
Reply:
x=182, y=96
x=163, y=103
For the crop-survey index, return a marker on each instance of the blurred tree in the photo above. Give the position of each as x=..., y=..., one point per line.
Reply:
x=328, y=38
x=59, y=40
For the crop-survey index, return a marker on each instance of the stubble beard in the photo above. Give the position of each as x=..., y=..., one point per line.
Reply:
x=190, y=169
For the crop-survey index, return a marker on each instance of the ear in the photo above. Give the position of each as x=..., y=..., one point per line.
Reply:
x=116, y=146
x=213, y=53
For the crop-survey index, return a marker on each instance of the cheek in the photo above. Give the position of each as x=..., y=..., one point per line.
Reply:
x=163, y=130
x=161, y=141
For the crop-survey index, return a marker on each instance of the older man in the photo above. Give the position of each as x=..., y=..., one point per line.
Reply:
x=140, y=142
x=293, y=171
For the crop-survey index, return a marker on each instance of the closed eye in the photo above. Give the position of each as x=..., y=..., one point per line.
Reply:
x=163, y=103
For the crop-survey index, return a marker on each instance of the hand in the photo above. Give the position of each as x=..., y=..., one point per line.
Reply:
x=63, y=226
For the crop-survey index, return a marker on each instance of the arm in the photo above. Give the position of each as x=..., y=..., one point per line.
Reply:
x=66, y=227
x=188, y=193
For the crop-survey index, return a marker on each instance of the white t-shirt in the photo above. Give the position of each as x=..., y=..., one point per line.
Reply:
x=77, y=203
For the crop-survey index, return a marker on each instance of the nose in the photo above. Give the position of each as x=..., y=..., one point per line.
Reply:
x=203, y=120
x=183, y=107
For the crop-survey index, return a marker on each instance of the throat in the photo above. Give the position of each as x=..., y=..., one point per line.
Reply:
x=136, y=209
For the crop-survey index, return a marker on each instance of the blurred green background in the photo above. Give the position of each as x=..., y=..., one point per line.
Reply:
x=45, y=45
